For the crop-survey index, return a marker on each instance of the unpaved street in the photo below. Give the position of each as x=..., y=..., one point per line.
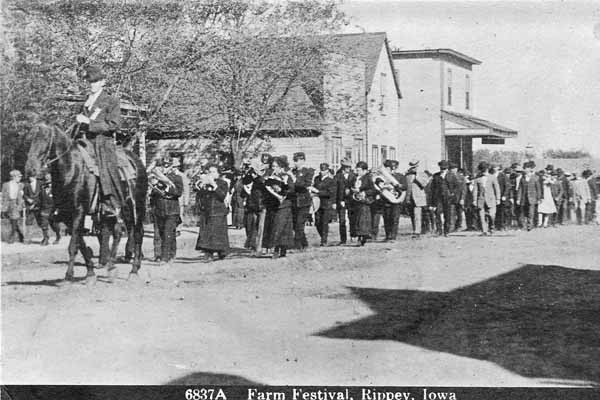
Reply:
x=514, y=309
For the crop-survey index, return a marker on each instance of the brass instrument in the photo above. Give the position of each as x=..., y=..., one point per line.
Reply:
x=387, y=188
x=158, y=181
x=204, y=182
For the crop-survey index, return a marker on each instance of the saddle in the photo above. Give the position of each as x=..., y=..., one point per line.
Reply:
x=126, y=168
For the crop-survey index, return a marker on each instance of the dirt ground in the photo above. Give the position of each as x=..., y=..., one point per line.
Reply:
x=514, y=309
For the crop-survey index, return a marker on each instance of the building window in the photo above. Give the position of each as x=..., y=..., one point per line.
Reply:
x=392, y=153
x=449, y=87
x=336, y=153
x=375, y=157
x=358, y=150
x=467, y=92
x=384, y=153
x=348, y=154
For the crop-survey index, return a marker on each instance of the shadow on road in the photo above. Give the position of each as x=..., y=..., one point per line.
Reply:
x=209, y=378
x=537, y=320
x=45, y=282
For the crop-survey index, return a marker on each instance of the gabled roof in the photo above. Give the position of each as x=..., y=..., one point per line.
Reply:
x=474, y=122
x=367, y=48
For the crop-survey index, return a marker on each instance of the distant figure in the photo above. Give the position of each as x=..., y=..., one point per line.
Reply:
x=486, y=197
x=546, y=207
x=37, y=194
x=325, y=187
x=529, y=194
x=13, y=203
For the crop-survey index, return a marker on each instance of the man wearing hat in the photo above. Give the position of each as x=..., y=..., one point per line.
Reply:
x=166, y=188
x=13, y=203
x=344, y=179
x=100, y=119
x=37, y=194
x=443, y=194
x=325, y=187
x=529, y=194
x=301, y=198
x=416, y=198
x=486, y=197
x=457, y=208
x=391, y=212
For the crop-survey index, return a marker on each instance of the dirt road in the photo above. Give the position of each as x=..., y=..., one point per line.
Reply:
x=517, y=308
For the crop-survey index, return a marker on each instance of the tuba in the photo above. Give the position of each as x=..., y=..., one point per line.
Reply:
x=158, y=181
x=386, y=185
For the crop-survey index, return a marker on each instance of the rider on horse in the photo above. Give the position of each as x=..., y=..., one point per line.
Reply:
x=99, y=120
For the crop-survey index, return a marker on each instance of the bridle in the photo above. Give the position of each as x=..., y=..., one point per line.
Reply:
x=58, y=157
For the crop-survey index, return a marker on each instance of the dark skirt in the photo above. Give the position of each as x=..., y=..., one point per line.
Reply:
x=279, y=229
x=212, y=235
x=363, y=220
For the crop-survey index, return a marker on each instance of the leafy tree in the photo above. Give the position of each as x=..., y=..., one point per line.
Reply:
x=558, y=153
x=227, y=67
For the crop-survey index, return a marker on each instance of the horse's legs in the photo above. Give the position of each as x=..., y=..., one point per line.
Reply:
x=138, y=237
x=116, y=232
x=74, y=243
x=105, y=233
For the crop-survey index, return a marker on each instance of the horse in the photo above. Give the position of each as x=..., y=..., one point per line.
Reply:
x=74, y=188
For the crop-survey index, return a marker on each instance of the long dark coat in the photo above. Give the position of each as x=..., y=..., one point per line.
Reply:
x=363, y=208
x=279, y=227
x=212, y=219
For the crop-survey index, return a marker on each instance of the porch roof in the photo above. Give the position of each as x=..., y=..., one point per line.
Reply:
x=475, y=127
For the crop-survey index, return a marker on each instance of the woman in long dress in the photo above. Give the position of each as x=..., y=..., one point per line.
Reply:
x=547, y=207
x=212, y=218
x=364, y=194
x=279, y=228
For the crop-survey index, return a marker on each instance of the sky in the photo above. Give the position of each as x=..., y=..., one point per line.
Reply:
x=540, y=71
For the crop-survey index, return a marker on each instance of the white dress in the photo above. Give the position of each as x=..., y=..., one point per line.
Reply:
x=547, y=205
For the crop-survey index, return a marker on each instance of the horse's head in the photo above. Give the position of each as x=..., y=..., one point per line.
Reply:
x=42, y=148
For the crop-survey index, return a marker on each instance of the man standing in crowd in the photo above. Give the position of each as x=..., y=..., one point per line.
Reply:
x=503, y=211
x=581, y=197
x=167, y=187
x=12, y=204
x=516, y=177
x=38, y=198
x=344, y=179
x=301, y=199
x=590, y=207
x=443, y=196
x=486, y=197
x=391, y=211
x=325, y=187
x=556, y=187
x=562, y=202
x=460, y=223
x=428, y=213
x=529, y=194
x=415, y=199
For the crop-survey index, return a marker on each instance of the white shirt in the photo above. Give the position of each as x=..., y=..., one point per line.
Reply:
x=13, y=190
x=92, y=99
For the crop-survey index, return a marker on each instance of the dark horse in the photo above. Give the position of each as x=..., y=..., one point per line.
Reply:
x=73, y=188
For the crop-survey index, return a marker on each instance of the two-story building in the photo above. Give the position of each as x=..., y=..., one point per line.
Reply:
x=437, y=118
x=358, y=98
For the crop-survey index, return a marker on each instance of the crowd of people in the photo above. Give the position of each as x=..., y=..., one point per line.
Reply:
x=274, y=202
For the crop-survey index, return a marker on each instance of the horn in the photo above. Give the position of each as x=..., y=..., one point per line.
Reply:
x=388, y=191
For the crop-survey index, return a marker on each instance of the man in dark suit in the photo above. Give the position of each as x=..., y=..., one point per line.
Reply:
x=503, y=213
x=344, y=179
x=458, y=207
x=562, y=201
x=529, y=194
x=37, y=194
x=167, y=187
x=100, y=119
x=443, y=194
x=391, y=212
x=301, y=198
x=325, y=187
